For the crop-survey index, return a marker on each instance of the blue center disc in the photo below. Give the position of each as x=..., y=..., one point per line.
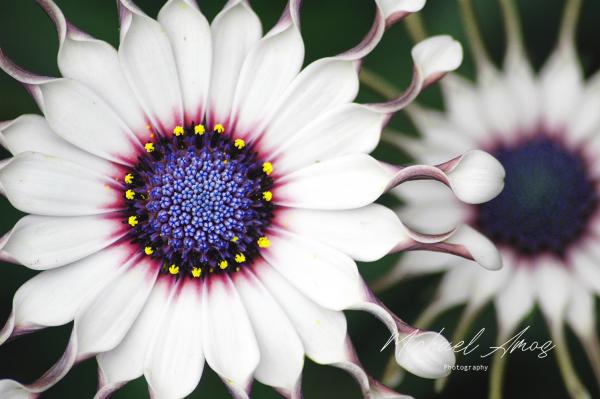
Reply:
x=547, y=199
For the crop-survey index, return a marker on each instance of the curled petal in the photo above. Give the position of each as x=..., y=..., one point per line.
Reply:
x=464, y=241
x=423, y=353
x=396, y=9
x=432, y=58
x=475, y=177
x=436, y=56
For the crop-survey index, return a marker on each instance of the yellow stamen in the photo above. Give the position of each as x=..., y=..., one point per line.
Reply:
x=174, y=269
x=130, y=194
x=240, y=258
x=263, y=242
x=268, y=168
x=219, y=128
x=149, y=147
x=128, y=178
x=132, y=221
x=223, y=264
x=239, y=144
x=267, y=196
x=178, y=131
x=199, y=130
x=196, y=272
x=148, y=251
x=235, y=239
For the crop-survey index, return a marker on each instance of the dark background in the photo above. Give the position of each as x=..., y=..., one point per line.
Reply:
x=328, y=27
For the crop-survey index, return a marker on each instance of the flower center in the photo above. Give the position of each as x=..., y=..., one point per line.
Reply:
x=199, y=202
x=547, y=200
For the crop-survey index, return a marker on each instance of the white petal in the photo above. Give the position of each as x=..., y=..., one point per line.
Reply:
x=281, y=351
x=435, y=56
x=229, y=343
x=189, y=34
x=430, y=208
x=587, y=269
x=456, y=285
x=414, y=263
x=42, y=242
x=31, y=133
x=366, y=234
x=520, y=80
x=126, y=362
x=581, y=312
x=321, y=86
x=486, y=285
x=463, y=104
x=561, y=85
x=147, y=59
x=46, y=185
x=96, y=64
x=498, y=103
x=267, y=71
x=439, y=131
x=479, y=247
x=477, y=177
x=174, y=364
x=347, y=129
x=78, y=115
x=552, y=285
x=515, y=300
x=347, y=182
x=323, y=331
x=234, y=31
x=53, y=297
x=101, y=325
x=323, y=274
x=585, y=121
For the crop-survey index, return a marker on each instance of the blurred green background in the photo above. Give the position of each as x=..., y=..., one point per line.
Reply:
x=328, y=27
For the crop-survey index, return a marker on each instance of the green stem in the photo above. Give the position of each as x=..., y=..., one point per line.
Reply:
x=592, y=349
x=416, y=27
x=512, y=26
x=378, y=84
x=464, y=325
x=574, y=386
x=498, y=367
x=568, y=26
x=473, y=33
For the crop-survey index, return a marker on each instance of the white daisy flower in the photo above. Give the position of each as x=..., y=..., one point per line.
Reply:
x=544, y=130
x=198, y=196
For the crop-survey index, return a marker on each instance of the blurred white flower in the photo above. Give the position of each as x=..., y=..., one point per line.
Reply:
x=198, y=196
x=544, y=130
